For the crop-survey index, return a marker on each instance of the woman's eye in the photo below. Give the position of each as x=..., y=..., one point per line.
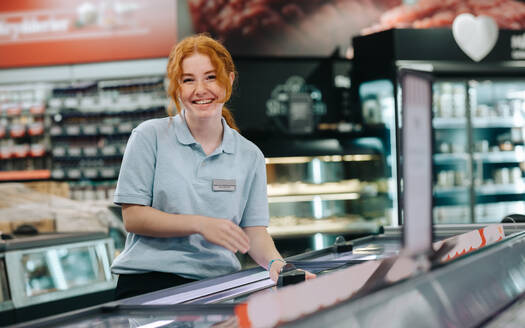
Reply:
x=211, y=77
x=186, y=80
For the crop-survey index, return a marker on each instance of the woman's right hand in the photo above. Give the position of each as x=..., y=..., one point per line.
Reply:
x=225, y=233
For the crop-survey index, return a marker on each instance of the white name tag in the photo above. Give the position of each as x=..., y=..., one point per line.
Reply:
x=223, y=185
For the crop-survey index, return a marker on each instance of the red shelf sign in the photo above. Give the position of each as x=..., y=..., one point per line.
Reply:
x=51, y=32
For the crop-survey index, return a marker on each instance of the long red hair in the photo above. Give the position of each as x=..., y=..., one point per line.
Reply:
x=220, y=59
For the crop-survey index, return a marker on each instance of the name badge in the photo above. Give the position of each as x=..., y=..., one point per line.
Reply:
x=223, y=185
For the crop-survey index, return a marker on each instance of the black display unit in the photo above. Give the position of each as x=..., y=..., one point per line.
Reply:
x=477, y=116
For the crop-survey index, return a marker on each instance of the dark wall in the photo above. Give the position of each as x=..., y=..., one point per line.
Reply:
x=257, y=77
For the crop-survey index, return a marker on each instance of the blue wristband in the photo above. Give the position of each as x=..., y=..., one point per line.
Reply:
x=271, y=262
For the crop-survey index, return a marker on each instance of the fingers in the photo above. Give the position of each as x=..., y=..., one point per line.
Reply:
x=239, y=238
x=227, y=234
x=309, y=275
x=274, y=276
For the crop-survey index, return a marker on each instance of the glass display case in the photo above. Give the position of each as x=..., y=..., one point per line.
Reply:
x=478, y=118
x=479, y=130
x=54, y=266
x=434, y=298
x=316, y=195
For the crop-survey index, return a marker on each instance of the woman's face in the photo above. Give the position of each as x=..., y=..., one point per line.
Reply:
x=200, y=92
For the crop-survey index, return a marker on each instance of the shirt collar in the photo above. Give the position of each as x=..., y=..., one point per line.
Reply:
x=184, y=135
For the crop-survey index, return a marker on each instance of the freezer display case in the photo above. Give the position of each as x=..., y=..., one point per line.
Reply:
x=477, y=117
x=432, y=298
x=53, y=267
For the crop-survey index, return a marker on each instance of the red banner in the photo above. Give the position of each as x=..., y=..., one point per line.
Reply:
x=51, y=32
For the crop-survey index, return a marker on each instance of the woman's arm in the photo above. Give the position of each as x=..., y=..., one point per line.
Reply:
x=148, y=221
x=262, y=251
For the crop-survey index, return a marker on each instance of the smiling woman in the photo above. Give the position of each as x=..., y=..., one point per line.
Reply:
x=192, y=189
x=201, y=55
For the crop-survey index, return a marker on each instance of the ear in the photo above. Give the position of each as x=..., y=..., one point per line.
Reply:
x=232, y=77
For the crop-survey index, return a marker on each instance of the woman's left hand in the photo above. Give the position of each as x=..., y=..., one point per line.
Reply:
x=275, y=269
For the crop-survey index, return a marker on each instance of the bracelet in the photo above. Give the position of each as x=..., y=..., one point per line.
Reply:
x=271, y=262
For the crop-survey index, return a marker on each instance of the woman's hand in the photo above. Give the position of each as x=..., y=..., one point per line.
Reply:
x=275, y=269
x=309, y=275
x=225, y=233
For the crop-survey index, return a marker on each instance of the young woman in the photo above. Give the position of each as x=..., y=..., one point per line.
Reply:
x=192, y=189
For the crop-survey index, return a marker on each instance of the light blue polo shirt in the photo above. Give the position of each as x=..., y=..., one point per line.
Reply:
x=165, y=168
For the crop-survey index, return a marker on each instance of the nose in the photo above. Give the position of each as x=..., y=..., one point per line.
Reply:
x=200, y=87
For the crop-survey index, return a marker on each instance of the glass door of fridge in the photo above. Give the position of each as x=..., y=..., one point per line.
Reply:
x=498, y=130
x=452, y=161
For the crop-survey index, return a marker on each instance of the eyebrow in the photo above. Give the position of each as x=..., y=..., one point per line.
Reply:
x=208, y=72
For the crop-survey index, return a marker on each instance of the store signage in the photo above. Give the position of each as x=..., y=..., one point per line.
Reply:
x=476, y=36
x=48, y=32
x=517, y=45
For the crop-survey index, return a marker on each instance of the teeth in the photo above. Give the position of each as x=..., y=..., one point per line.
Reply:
x=200, y=102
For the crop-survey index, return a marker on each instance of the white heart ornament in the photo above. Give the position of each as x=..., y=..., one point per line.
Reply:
x=476, y=36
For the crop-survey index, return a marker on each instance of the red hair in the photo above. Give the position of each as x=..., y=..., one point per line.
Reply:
x=221, y=60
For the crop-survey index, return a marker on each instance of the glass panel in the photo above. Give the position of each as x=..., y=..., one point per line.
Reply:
x=498, y=147
x=337, y=194
x=144, y=320
x=452, y=173
x=61, y=269
x=378, y=111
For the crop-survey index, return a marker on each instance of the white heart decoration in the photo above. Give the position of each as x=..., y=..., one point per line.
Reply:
x=476, y=36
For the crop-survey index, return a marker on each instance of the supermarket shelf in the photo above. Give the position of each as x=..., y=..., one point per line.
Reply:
x=450, y=191
x=491, y=157
x=501, y=189
x=449, y=122
x=309, y=227
x=496, y=122
x=309, y=198
x=500, y=157
x=452, y=158
x=477, y=122
x=25, y=175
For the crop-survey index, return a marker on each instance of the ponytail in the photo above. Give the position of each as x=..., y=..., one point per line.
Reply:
x=228, y=117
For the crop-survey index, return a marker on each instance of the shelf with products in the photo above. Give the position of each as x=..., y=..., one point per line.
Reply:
x=92, y=121
x=478, y=112
x=24, y=144
x=327, y=194
x=465, y=118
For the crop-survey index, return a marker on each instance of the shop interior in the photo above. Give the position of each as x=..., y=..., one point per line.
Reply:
x=328, y=116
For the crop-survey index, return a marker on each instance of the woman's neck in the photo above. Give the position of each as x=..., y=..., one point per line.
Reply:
x=207, y=132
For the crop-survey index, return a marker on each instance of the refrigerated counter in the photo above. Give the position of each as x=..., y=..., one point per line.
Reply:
x=468, y=291
x=42, y=270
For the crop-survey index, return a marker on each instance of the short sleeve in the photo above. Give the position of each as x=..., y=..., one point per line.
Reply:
x=256, y=212
x=135, y=181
